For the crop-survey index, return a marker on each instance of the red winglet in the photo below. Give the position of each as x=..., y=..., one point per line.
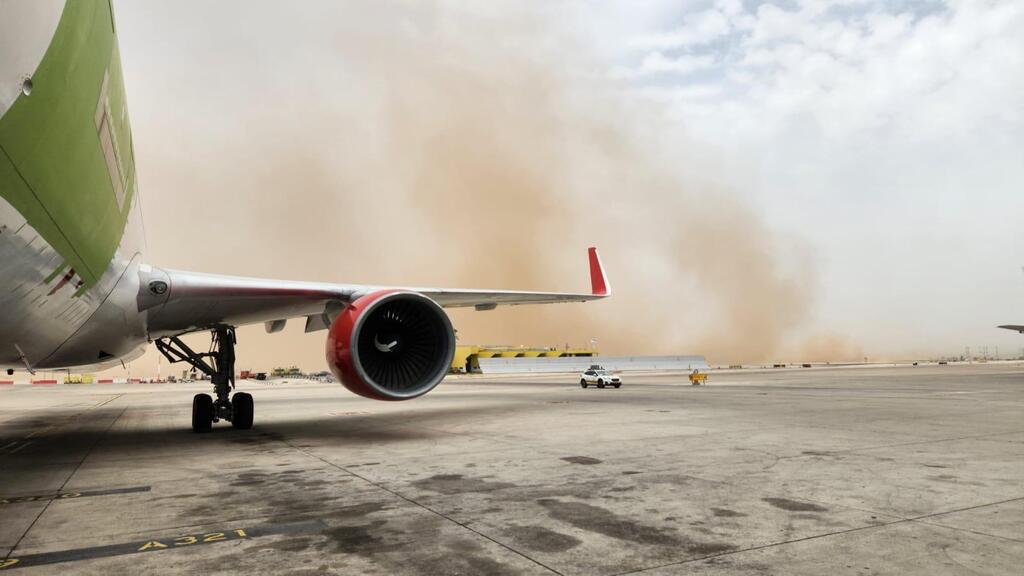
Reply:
x=598, y=280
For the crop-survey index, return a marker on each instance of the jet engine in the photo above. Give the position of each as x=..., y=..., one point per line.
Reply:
x=391, y=345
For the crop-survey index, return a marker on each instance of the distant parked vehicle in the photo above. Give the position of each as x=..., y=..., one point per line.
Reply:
x=600, y=377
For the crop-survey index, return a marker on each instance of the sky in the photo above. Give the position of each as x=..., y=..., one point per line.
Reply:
x=767, y=181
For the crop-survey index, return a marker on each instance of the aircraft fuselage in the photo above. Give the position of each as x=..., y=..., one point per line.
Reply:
x=71, y=234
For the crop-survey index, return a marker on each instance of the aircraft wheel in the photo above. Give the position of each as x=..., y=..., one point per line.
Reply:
x=202, y=413
x=241, y=411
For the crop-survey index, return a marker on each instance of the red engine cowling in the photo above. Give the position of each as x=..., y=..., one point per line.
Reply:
x=391, y=345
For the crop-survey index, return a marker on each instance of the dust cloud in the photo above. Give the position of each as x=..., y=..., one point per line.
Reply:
x=431, y=145
x=831, y=347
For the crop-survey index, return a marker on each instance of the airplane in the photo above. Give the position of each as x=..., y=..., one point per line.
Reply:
x=75, y=288
x=1015, y=327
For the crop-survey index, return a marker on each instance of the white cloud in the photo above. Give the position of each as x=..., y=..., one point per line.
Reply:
x=697, y=28
x=849, y=74
x=658, y=63
x=887, y=133
x=689, y=95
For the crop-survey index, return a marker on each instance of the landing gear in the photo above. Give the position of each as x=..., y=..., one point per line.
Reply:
x=241, y=411
x=221, y=369
x=202, y=412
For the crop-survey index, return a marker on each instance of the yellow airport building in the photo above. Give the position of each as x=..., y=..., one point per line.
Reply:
x=466, y=358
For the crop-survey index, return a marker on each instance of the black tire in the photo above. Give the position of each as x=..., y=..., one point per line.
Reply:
x=619, y=385
x=583, y=383
x=241, y=411
x=202, y=413
x=600, y=383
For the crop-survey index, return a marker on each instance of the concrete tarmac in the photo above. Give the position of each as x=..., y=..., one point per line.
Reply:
x=913, y=470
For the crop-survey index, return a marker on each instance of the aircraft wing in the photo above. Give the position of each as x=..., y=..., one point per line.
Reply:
x=1015, y=327
x=178, y=302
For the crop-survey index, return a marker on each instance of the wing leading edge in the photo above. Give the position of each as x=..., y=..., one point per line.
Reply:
x=180, y=302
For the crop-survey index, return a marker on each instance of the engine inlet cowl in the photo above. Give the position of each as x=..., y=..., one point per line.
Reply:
x=391, y=345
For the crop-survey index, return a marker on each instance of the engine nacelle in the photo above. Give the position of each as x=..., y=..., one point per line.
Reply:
x=391, y=345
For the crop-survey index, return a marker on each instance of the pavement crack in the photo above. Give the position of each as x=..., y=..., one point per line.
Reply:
x=920, y=442
x=422, y=506
x=916, y=519
x=969, y=531
x=85, y=456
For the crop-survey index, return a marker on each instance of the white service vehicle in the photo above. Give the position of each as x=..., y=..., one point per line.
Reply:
x=599, y=376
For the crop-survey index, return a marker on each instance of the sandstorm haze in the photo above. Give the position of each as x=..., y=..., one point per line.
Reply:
x=486, y=145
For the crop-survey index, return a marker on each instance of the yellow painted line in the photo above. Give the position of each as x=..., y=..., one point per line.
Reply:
x=158, y=544
x=72, y=495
